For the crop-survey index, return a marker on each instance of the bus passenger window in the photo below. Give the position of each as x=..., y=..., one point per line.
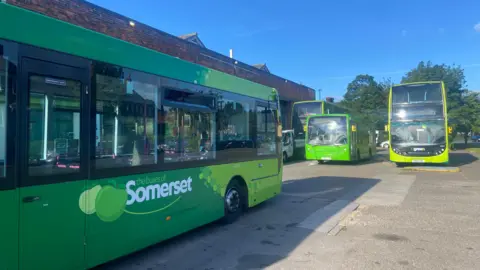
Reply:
x=126, y=117
x=233, y=129
x=186, y=134
x=266, y=131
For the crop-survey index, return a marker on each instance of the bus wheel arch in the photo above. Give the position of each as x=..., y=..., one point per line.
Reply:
x=235, y=200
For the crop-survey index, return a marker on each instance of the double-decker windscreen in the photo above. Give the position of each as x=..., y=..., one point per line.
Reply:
x=428, y=132
x=327, y=130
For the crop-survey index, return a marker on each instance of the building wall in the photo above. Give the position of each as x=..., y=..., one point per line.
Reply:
x=98, y=19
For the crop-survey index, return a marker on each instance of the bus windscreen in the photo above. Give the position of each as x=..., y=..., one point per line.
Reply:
x=327, y=130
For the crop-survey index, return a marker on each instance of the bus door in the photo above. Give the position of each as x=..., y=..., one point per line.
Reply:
x=52, y=163
x=268, y=149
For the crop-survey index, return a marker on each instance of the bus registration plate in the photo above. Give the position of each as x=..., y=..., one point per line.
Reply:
x=326, y=158
x=418, y=161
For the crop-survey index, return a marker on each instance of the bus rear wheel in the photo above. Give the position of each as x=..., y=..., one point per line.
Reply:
x=235, y=201
x=285, y=157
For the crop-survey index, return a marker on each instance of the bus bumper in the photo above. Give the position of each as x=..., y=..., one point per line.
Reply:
x=440, y=159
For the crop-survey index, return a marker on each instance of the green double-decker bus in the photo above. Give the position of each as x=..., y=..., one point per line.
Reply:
x=338, y=137
x=300, y=111
x=418, y=123
x=107, y=147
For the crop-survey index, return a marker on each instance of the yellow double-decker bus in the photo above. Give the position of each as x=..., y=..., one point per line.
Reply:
x=417, y=123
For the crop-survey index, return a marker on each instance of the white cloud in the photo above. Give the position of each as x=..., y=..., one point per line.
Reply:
x=476, y=27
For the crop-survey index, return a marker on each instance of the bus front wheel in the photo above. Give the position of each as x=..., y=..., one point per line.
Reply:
x=235, y=201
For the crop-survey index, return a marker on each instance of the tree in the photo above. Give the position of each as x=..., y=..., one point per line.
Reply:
x=467, y=115
x=367, y=98
x=452, y=76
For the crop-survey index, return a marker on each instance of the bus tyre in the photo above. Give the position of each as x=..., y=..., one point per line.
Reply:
x=235, y=201
x=285, y=157
x=358, y=155
x=370, y=153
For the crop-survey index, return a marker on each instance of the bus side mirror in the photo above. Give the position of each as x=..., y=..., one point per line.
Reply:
x=386, y=128
x=450, y=130
x=354, y=128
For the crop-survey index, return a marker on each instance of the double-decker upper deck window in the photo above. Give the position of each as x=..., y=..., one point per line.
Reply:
x=417, y=93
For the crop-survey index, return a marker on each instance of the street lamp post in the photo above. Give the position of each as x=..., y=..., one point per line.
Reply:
x=319, y=93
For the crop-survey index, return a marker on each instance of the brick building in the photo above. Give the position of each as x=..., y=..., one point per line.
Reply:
x=186, y=47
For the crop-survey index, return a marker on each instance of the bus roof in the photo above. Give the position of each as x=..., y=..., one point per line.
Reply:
x=46, y=32
x=420, y=82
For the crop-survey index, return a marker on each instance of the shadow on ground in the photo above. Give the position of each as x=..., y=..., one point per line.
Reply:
x=460, y=159
x=463, y=146
x=264, y=235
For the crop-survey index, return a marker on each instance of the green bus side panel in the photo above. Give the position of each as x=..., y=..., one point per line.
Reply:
x=340, y=153
x=52, y=229
x=9, y=230
x=115, y=229
x=440, y=159
x=45, y=32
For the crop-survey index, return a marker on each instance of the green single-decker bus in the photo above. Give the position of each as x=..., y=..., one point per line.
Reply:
x=337, y=137
x=107, y=147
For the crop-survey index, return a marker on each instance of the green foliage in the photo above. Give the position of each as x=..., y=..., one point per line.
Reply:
x=452, y=76
x=367, y=99
x=466, y=116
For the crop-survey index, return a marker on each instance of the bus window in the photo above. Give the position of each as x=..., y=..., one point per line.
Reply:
x=234, y=130
x=188, y=129
x=54, y=127
x=266, y=131
x=125, y=117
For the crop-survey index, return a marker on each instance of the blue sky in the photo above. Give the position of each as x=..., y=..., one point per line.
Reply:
x=325, y=44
